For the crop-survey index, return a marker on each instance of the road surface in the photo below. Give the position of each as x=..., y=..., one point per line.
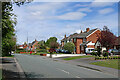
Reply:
x=43, y=67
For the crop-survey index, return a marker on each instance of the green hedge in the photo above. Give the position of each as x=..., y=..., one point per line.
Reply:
x=42, y=50
x=104, y=58
x=20, y=50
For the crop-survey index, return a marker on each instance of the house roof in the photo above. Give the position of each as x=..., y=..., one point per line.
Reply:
x=85, y=34
x=117, y=41
x=85, y=43
x=80, y=35
x=70, y=37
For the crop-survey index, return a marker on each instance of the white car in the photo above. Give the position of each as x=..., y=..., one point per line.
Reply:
x=90, y=50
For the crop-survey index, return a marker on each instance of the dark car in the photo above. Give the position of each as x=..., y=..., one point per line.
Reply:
x=58, y=50
x=114, y=51
x=67, y=52
x=62, y=51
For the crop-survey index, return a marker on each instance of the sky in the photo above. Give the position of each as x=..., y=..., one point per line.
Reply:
x=41, y=20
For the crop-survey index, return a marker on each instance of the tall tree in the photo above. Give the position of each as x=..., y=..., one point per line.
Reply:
x=8, y=22
x=54, y=45
x=106, y=38
x=51, y=39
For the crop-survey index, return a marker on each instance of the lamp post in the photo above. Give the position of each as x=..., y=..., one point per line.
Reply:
x=85, y=49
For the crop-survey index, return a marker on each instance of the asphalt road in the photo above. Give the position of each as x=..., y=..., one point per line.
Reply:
x=42, y=67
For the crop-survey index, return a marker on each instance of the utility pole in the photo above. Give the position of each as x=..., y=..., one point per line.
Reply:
x=27, y=42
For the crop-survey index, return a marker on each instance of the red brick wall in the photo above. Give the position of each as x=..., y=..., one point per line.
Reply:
x=90, y=46
x=33, y=47
x=78, y=42
x=93, y=37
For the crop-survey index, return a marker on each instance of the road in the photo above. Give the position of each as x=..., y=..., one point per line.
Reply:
x=43, y=67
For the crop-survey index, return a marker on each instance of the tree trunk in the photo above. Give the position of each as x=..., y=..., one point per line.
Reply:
x=50, y=55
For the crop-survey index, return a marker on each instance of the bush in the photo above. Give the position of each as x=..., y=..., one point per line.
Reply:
x=20, y=50
x=42, y=50
x=105, y=54
x=69, y=46
x=98, y=51
x=94, y=53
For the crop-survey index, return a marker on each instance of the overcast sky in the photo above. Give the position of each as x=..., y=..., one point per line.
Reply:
x=42, y=20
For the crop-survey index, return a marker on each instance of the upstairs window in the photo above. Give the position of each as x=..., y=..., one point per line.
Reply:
x=74, y=39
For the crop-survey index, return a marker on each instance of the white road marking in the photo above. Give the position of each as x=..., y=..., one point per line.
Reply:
x=77, y=77
x=63, y=70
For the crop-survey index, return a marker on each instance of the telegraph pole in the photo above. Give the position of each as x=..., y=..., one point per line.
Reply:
x=27, y=42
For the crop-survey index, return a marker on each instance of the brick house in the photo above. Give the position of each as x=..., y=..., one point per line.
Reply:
x=117, y=43
x=32, y=46
x=82, y=40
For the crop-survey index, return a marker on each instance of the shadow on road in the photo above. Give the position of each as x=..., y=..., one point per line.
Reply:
x=7, y=75
x=33, y=75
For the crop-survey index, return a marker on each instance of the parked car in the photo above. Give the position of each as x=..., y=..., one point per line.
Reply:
x=90, y=50
x=114, y=51
x=58, y=50
x=62, y=51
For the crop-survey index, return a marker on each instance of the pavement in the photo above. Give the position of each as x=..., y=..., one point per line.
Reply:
x=44, y=67
x=64, y=55
x=11, y=69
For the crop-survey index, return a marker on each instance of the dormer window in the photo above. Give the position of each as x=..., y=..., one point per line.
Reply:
x=84, y=40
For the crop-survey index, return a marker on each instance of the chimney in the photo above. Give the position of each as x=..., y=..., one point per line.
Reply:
x=65, y=35
x=87, y=29
x=81, y=31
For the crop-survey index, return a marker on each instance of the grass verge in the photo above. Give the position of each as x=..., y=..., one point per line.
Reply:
x=9, y=56
x=77, y=57
x=108, y=63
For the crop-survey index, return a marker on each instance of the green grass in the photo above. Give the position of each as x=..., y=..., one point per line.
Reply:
x=77, y=57
x=9, y=56
x=0, y=73
x=107, y=63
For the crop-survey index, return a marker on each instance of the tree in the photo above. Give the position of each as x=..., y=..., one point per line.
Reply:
x=8, y=22
x=41, y=45
x=106, y=38
x=54, y=45
x=69, y=46
x=51, y=39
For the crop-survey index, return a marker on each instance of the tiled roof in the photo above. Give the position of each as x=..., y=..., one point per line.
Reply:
x=85, y=43
x=70, y=37
x=81, y=35
x=85, y=34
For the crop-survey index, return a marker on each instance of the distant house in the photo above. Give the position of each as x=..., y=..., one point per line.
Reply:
x=117, y=43
x=22, y=46
x=82, y=40
x=32, y=46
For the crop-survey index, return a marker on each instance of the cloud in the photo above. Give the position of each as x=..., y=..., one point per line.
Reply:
x=36, y=13
x=81, y=5
x=84, y=10
x=105, y=11
x=101, y=3
x=72, y=16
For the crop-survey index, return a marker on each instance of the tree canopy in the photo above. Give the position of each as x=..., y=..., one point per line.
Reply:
x=106, y=38
x=51, y=39
x=8, y=22
x=69, y=46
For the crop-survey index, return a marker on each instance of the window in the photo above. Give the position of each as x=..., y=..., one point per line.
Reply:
x=74, y=39
x=84, y=40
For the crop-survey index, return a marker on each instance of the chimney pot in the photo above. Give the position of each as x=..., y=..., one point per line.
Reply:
x=87, y=29
x=65, y=35
x=81, y=31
